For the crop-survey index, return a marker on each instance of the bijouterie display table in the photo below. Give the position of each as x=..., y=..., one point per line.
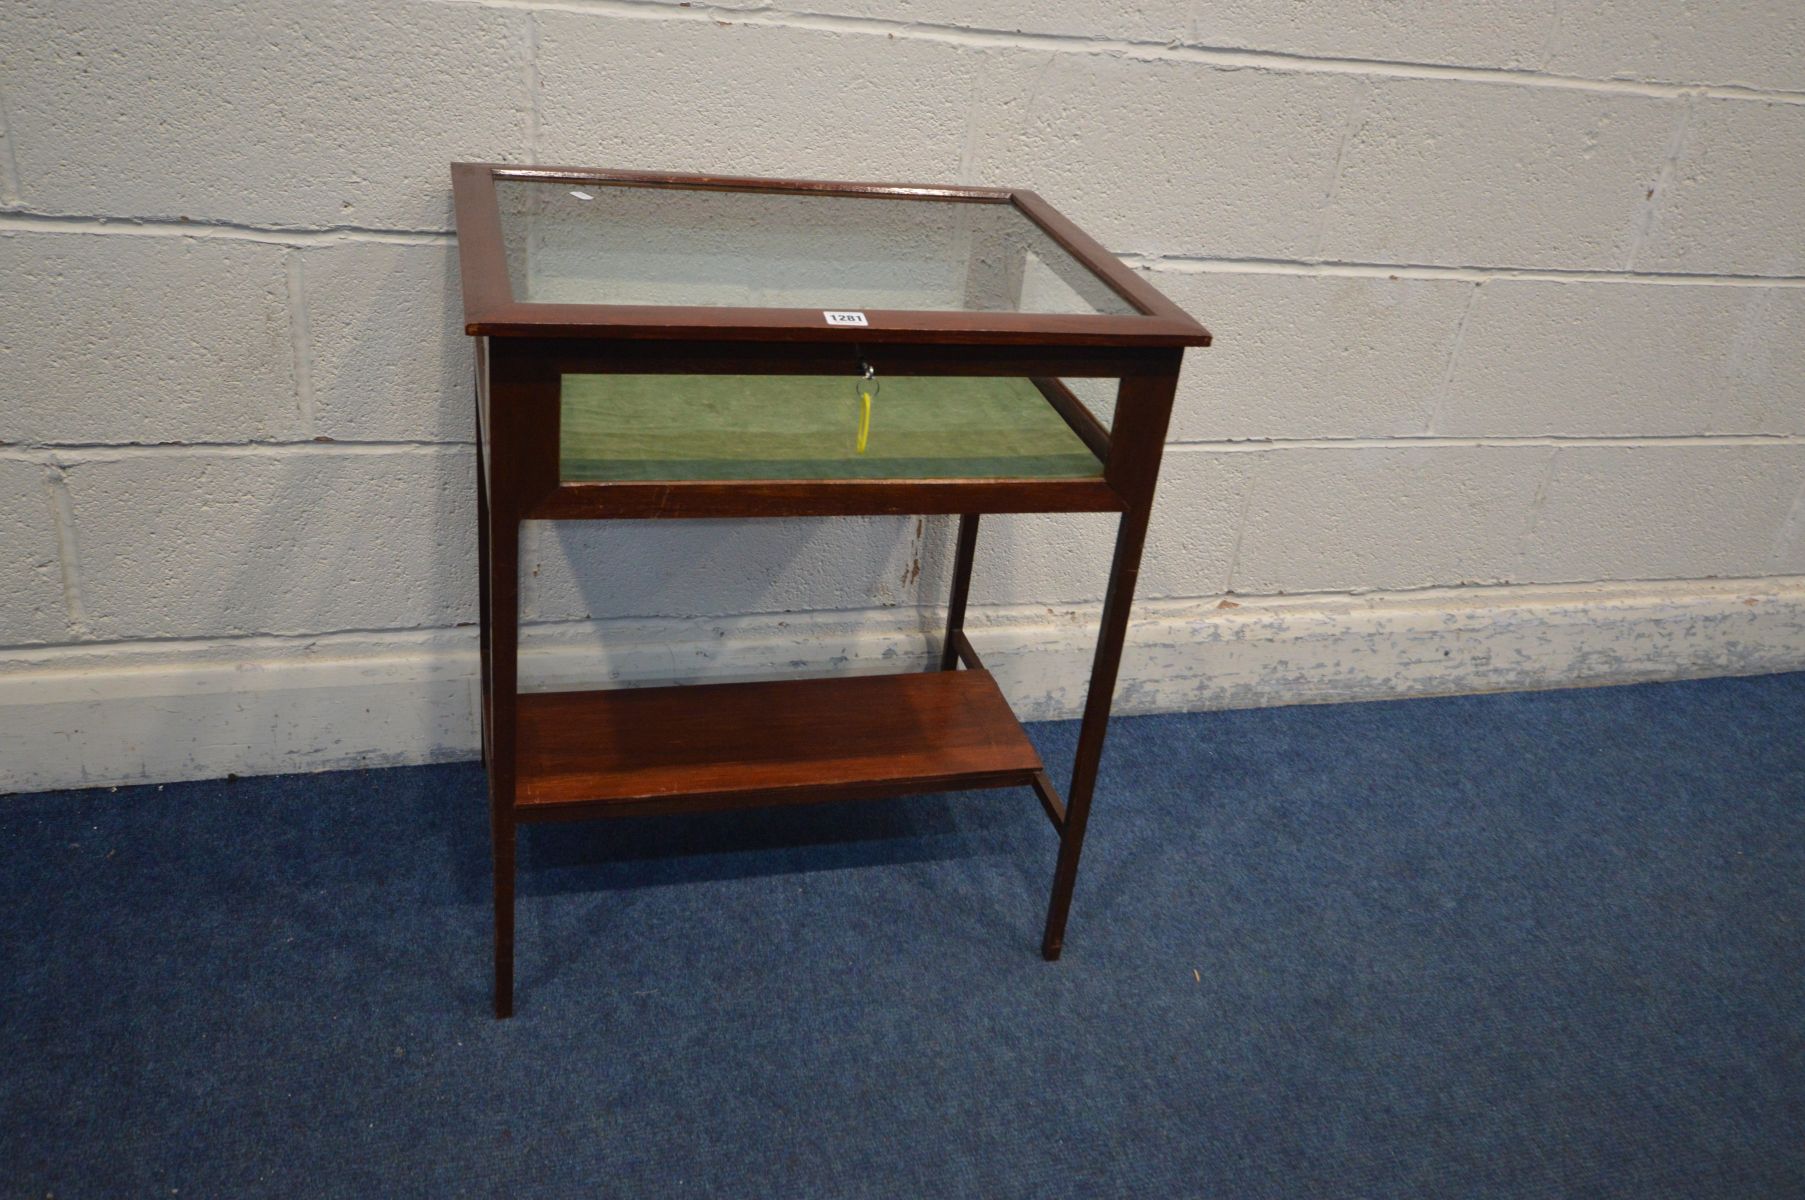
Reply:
x=655, y=346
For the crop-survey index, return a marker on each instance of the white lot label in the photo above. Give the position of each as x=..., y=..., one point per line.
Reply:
x=845, y=318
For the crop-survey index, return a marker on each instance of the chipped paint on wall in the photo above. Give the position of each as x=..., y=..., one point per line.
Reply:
x=187, y=710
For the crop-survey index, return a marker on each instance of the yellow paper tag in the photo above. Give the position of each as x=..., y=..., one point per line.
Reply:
x=864, y=420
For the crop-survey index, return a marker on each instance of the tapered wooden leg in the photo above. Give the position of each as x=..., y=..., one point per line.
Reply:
x=504, y=588
x=482, y=600
x=955, y=605
x=1137, y=438
x=1130, y=538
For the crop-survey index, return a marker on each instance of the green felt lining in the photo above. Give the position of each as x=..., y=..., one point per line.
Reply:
x=642, y=427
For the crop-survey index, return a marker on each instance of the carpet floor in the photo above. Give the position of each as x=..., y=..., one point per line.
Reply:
x=1521, y=946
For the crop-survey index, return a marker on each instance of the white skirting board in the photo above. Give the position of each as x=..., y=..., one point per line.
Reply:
x=97, y=715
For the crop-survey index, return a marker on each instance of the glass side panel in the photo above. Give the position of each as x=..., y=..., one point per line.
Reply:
x=648, y=427
x=1097, y=395
x=594, y=243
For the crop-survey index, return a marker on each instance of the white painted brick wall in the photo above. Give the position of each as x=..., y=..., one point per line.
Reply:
x=751, y=99
x=1314, y=356
x=275, y=543
x=329, y=112
x=1458, y=173
x=1509, y=302
x=1679, y=512
x=1648, y=361
x=1754, y=43
x=1451, y=515
x=1426, y=31
x=144, y=339
x=1733, y=204
x=1166, y=157
x=1190, y=545
x=1133, y=20
x=32, y=607
x=383, y=332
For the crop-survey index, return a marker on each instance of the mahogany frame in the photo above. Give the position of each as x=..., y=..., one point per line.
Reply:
x=523, y=349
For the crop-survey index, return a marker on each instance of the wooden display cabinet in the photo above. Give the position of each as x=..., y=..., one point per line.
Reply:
x=657, y=346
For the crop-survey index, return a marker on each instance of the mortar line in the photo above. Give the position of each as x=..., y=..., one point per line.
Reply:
x=1791, y=529
x=21, y=220
x=300, y=341
x=1441, y=441
x=1219, y=56
x=1537, y=501
x=1200, y=264
x=25, y=221
x=1234, y=554
x=534, y=86
x=1438, y=411
x=968, y=146
x=1351, y=127
x=11, y=191
x=1549, y=39
x=70, y=453
x=1649, y=208
x=32, y=657
x=62, y=517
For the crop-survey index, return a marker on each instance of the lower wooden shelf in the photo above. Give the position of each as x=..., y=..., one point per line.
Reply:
x=713, y=746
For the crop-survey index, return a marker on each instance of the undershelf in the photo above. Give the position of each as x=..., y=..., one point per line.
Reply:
x=711, y=746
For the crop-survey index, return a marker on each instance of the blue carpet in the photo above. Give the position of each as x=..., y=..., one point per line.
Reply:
x=1524, y=946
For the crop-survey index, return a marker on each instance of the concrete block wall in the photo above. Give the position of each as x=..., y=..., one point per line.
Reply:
x=1509, y=388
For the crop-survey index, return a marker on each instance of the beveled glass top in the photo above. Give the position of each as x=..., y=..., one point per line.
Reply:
x=588, y=242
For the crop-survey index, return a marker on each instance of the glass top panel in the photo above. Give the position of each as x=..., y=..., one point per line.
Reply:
x=688, y=427
x=598, y=243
